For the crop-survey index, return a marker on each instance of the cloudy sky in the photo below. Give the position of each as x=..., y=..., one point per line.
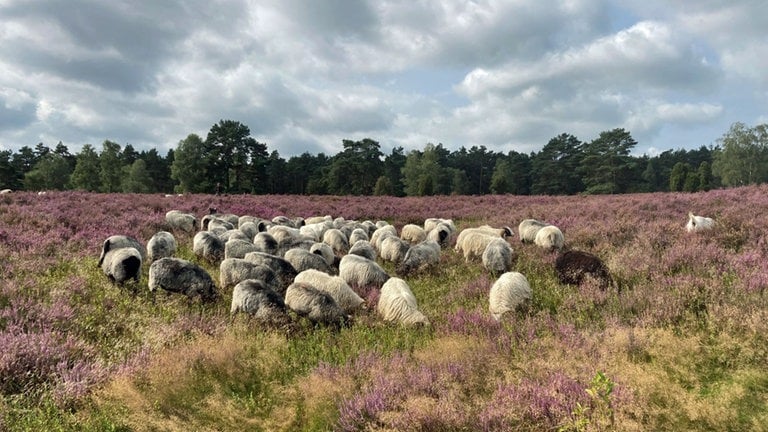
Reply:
x=305, y=74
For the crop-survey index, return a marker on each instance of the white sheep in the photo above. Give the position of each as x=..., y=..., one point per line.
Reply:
x=364, y=249
x=162, y=244
x=528, y=228
x=208, y=246
x=550, y=237
x=5, y=191
x=181, y=276
x=318, y=219
x=413, y=233
x=361, y=272
x=699, y=223
x=345, y=297
x=380, y=233
x=213, y=222
x=255, y=298
x=472, y=244
x=337, y=240
x=497, y=257
x=398, y=304
x=419, y=258
x=232, y=234
x=316, y=230
x=510, y=292
x=180, y=221
x=358, y=234
x=302, y=259
x=237, y=248
x=235, y=270
x=317, y=306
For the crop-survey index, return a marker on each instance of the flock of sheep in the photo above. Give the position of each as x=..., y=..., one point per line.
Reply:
x=316, y=267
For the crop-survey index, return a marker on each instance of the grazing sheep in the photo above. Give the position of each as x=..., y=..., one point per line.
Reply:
x=283, y=233
x=325, y=251
x=235, y=270
x=528, y=228
x=420, y=257
x=699, y=223
x=397, y=303
x=237, y=248
x=181, y=276
x=497, y=257
x=283, y=269
x=317, y=306
x=250, y=229
x=472, y=244
x=364, y=249
x=380, y=233
x=208, y=246
x=337, y=240
x=255, y=298
x=393, y=249
x=509, y=293
x=248, y=219
x=315, y=231
x=266, y=243
x=318, y=219
x=122, y=264
x=211, y=222
x=358, y=234
x=573, y=266
x=550, y=237
x=361, y=272
x=177, y=220
x=161, y=245
x=341, y=292
x=432, y=223
x=441, y=233
x=488, y=230
x=121, y=241
x=413, y=233
x=302, y=259
x=232, y=234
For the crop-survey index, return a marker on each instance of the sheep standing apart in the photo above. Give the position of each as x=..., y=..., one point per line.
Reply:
x=699, y=223
x=550, y=237
x=361, y=272
x=181, y=276
x=121, y=241
x=509, y=293
x=302, y=259
x=472, y=244
x=208, y=246
x=232, y=271
x=122, y=264
x=283, y=269
x=419, y=258
x=161, y=245
x=317, y=306
x=337, y=241
x=528, y=228
x=573, y=266
x=393, y=249
x=498, y=256
x=397, y=303
x=266, y=243
x=364, y=249
x=341, y=292
x=413, y=233
x=237, y=248
x=255, y=298
x=185, y=222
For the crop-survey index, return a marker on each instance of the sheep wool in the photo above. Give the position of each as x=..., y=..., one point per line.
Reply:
x=265, y=242
x=282, y=268
x=341, y=292
x=361, y=272
x=237, y=248
x=472, y=244
x=510, y=292
x=179, y=221
x=161, y=245
x=337, y=240
x=398, y=304
x=176, y=275
x=317, y=306
x=121, y=241
x=573, y=266
x=393, y=249
x=325, y=251
x=550, y=237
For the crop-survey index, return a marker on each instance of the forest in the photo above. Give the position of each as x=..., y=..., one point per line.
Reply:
x=230, y=161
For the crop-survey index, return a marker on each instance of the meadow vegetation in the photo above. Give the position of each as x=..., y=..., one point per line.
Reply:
x=679, y=344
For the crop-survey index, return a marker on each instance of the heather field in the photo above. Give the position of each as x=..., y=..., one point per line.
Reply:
x=680, y=345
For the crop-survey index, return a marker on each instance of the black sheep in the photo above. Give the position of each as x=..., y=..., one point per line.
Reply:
x=572, y=266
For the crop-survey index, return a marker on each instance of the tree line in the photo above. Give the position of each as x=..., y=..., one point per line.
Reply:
x=229, y=160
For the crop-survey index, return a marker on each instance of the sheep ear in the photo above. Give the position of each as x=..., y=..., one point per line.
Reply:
x=104, y=249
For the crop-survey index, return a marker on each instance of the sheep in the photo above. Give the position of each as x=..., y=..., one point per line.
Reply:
x=232, y=234
x=5, y=191
x=161, y=245
x=497, y=257
x=176, y=275
x=337, y=240
x=341, y=292
x=432, y=223
x=699, y=223
x=235, y=270
x=318, y=219
x=289, y=222
x=177, y=220
x=283, y=269
x=380, y=233
x=413, y=233
x=393, y=249
x=325, y=251
x=509, y=293
x=250, y=229
x=573, y=266
x=441, y=233
x=397, y=303
x=361, y=272
x=419, y=258
x=121, y=241
x=317, y=306
x=208, y=246
x=484, y=229
x=255, y=298
x=283, y=233
x=472, y=244
x=122, y=264
x=364, y=249
x=248, y=219
x=358, y=234
x=550, y=237
x=237, y=248
x=211, y=221
x=302, y=259
x=266, y=243
x=315, y=231
x=528, y=228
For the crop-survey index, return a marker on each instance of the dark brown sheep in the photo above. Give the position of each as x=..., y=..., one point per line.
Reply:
x=573, y=265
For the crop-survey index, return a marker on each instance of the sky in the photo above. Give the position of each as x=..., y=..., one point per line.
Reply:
x=305, y=75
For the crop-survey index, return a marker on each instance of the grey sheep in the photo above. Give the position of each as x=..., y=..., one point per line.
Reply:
x=528, y=228
x=283, y=269
x=419, y=258
x=337, y=240
x=180, y=221
x=302, y=259
x=432, y=223
x=122, y=264
x=235, y=270
x=358, y=234
x=393, y=249
x=509, y=293
x=161, y=245
x=361, y=272
x=441, y=233
x=237, y=248
x=255, y=298
x=121, y=241
x=211, y=221
x=317, y=306
x=265, y=242
x=498, y=257
x=176, y=275
x=397, y=303
x=364, y=249
x=208, y=246
x=250, y=229
x=341, y=292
